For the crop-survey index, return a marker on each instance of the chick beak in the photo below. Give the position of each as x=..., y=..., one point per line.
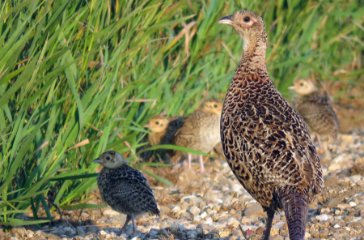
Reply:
x=98, y=160
x=226, y=20
x=291, y=88
x=146, y=125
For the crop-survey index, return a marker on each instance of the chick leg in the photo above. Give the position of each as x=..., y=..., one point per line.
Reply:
x=134, y=226
x=202, y=166
x=128, y=218
x=189, y=161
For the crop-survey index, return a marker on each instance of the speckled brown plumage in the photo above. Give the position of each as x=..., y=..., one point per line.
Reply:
x=265, y=141
x=124, y=188
x=316, y=109
x=201, y=130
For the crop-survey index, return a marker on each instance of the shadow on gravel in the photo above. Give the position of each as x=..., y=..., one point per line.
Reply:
x=79, y=229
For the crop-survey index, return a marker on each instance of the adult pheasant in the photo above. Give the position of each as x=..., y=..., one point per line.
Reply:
x=265, y=141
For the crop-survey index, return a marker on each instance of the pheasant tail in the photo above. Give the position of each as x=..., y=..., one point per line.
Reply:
x=295, y=207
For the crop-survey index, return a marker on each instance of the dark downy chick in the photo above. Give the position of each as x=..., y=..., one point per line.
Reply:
x=265, y=141
x=316, y=108
x=124, y=188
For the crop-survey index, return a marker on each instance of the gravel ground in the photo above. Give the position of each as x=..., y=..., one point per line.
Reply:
x=215, y=206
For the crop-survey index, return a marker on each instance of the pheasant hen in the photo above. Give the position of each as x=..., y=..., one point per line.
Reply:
x=265, y=141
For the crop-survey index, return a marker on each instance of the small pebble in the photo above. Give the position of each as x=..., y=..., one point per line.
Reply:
x=194, y=210
x=323, y=217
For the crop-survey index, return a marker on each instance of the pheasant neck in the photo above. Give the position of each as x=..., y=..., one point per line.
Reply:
x=254, y=54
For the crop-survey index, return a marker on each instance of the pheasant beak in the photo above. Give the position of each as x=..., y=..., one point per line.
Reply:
x=226, y=20
x=98, y=160
x=146, y=125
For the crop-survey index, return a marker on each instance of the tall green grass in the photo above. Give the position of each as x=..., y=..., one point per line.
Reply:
x=80, y=77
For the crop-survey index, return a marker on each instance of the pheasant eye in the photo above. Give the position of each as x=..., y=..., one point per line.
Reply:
x=157, y=122
x=246, y=19
x=301, y=84
x=215, y=105
x=108, y=158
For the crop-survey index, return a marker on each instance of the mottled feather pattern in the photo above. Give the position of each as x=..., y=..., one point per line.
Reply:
x=265, y=141
x=200, y=131
x=317, y=111
x=126, y=190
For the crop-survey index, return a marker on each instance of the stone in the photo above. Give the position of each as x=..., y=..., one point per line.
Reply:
x=192, y=234
x=343, y=206
x=177, y=212
x=342, y=161
x=194, y=210
x=224, y=233
x=190, y=199
x=203, y=215
x=110, y=212
x=176, y=227
x=323, y=217
x=254, y=210
x=233, y=222
x=208, y=221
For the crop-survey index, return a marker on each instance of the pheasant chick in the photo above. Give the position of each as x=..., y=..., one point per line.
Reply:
x=316, y=109
x=201, y=130
x=124, y=188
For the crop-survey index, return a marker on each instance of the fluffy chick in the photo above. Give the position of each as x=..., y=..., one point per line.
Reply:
x=162, y=131
x=316, y=109
x=158, y=127
x=124, y=188
x=201, y=130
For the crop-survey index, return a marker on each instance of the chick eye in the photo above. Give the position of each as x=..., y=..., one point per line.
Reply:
x=246, y=19
x=157, y=122
x=301, y=84
x=215, y=105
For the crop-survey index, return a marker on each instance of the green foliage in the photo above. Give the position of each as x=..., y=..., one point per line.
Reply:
x=80, y=77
